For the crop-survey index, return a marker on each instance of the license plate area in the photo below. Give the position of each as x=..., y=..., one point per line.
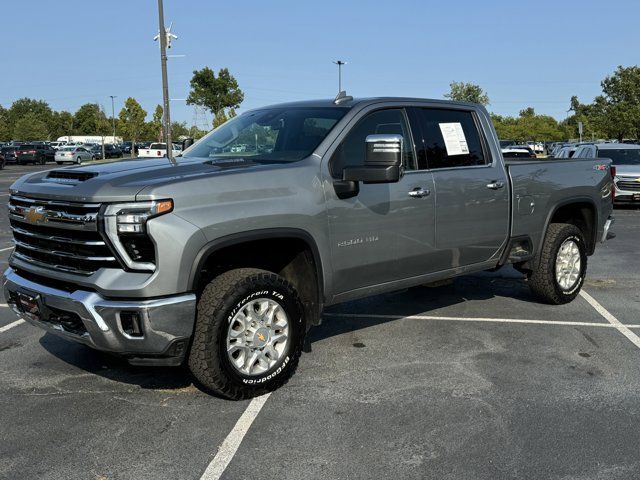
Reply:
x=28, y=304
x=636, y=197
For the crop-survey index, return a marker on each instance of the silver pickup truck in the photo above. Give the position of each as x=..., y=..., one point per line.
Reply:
x=225, y=257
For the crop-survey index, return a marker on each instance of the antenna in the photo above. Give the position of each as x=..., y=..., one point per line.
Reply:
x=340, y=63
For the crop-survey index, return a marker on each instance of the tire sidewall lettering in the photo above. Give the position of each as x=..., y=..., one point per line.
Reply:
x=285, y=302
x=579, y=242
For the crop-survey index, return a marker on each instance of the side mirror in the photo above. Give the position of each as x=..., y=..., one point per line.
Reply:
x=186, y=143
x=383, y=161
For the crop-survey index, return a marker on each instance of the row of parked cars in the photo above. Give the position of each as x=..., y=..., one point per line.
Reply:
x=39, y=153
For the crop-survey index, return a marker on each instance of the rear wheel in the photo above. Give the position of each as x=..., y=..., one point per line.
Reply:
x=559, y=274
x=249, y=332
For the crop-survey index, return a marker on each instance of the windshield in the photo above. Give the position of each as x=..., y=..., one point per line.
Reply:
x=277, y=135
x=67, y=149
x=621, y=156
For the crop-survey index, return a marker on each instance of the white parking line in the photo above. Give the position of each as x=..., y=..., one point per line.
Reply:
x=479, y=319
x=5, y=249
x=11, y=325
x=4, y=305
x=230, y=445
x=621, y=327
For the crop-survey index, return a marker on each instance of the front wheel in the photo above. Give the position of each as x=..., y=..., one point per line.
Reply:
x=559, y=274
x=249, y=333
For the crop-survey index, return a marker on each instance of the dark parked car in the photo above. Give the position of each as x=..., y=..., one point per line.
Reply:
x=126, y=147
x=96, y=151
x=8, y=154
x=112, y=151
x=35, y=153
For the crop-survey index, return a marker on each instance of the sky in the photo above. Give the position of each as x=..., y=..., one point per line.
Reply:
x=522, y=53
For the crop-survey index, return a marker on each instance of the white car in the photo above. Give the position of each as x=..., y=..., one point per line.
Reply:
x=73, y=155
x=156, y=150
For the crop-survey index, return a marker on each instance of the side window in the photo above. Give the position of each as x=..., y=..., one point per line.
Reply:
x=451, y=138
x=351, y=151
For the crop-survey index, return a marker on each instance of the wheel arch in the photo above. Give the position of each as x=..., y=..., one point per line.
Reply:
x=580, y=211
x=291, y=252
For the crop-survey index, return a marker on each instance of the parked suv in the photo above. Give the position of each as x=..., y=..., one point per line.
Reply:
x=223, y=258
x=34, y=153
x=626, y=165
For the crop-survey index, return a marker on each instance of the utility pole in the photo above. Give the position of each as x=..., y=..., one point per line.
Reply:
x=162, y=36
x=113, y=117
x=340, y=63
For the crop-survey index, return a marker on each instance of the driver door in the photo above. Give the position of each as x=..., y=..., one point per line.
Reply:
x=383, y=233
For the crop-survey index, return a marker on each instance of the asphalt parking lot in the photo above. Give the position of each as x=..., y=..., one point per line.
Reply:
x=473, y=380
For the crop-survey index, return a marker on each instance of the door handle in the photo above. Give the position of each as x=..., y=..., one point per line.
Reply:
x=495, y=185
x=419, y=192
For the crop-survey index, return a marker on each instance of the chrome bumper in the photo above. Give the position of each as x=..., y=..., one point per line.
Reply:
x=607, y=234
x=166, y=323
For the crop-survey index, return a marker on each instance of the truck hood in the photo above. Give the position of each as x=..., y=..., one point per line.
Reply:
x=628, y=170
x=121, y=181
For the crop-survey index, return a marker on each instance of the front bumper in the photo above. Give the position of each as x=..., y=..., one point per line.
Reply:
x=166, y=324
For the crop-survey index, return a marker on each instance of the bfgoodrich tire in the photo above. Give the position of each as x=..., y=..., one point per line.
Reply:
x=249, y=334
x=560, y=272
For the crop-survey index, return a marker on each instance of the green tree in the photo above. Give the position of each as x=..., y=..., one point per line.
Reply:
x=218, y=94
x=156, y=123
x=467, y=92
x=25, y=106
x=5, y=132
x=132, y=121
x=30, y=127
x=89, y=119
x=61, y=124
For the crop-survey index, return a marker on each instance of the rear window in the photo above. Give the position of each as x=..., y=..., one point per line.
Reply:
x=67, y=149
x=450, y=139
x=26, y=147
x=621, y=156
x=158, y=146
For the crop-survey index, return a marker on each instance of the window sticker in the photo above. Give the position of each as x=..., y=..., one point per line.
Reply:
x=454, y=138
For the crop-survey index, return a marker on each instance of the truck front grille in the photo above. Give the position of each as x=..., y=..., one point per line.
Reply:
x=61, y=236
x=629, y=184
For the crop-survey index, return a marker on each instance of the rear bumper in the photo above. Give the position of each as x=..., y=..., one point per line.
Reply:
x=166, y=324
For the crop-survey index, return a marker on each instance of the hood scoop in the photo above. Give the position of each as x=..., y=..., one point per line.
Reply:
x=69, y=176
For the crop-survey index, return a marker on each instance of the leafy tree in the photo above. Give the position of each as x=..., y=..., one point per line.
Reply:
x=24, y=106
x=528, y=126
x=467, y=92
x=132, y=121
x=61, y=124
x=30, y=127
x=89, y=119
x=5, y=132
x=215, y=93
x=156, y=123
x=179, y=130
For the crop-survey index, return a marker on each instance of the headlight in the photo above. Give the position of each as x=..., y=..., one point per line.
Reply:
x=125, y=226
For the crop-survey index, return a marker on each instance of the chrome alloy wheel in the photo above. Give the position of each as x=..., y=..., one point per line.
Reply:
x=258, y=336
x=568, y=264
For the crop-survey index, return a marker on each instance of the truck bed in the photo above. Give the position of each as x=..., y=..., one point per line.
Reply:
x=539, y=187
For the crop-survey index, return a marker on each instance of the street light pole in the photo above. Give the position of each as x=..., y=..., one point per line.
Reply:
x=340, y=63
x=165, y=82
x=113, y=117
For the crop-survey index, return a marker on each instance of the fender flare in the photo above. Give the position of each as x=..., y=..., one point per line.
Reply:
x=213, y=246
x=564, y=203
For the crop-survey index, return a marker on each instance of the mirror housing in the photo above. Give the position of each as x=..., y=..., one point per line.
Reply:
x=383, y=161
x=187, y=142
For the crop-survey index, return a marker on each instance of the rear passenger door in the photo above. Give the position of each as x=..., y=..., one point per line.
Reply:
x=471, y=186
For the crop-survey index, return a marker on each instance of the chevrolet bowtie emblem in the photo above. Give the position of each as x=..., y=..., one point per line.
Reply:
x=262, y=337
x=35, y=215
